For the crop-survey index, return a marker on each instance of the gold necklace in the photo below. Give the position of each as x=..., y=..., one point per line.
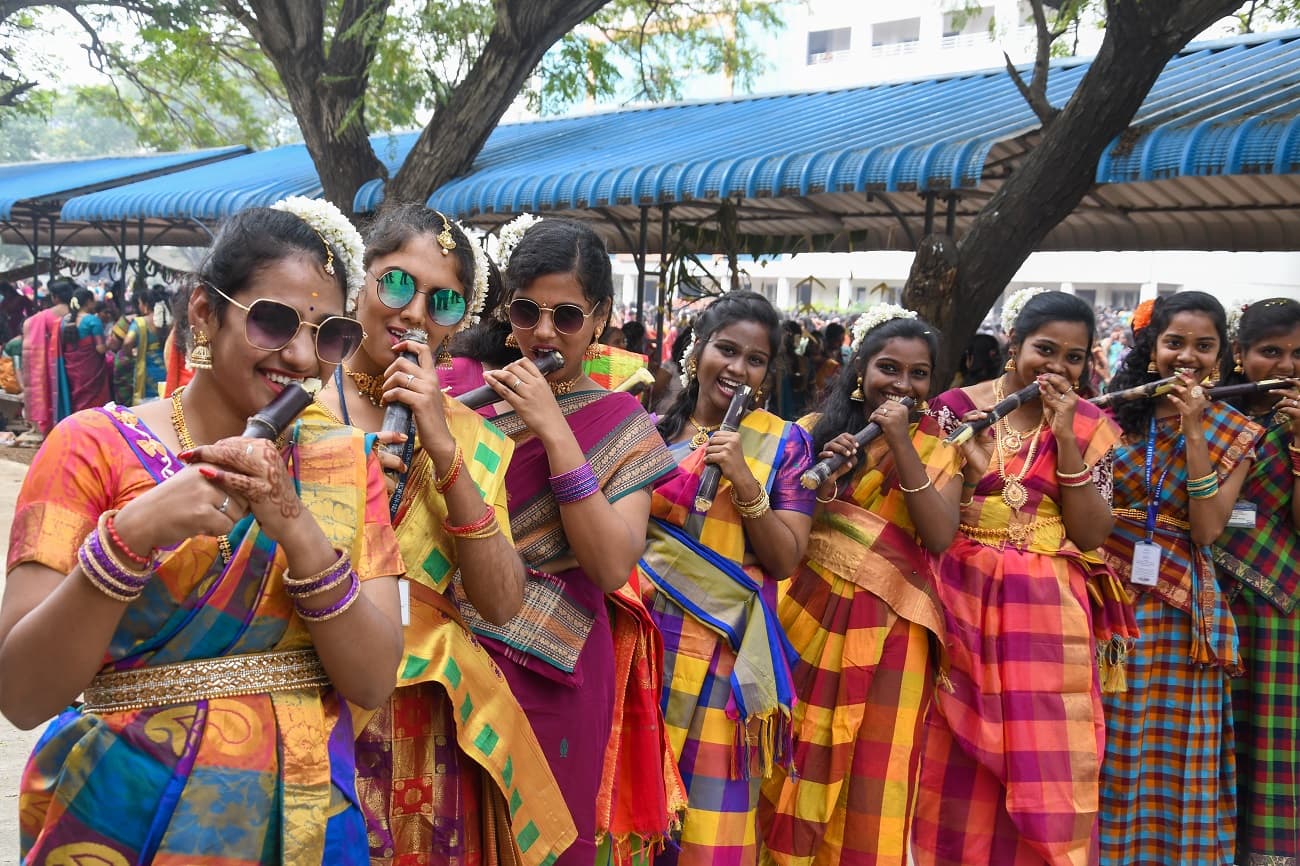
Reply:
x=702, y=433
x=187, y=444
x=1014, y=439
x=559, y=389
x=369, y=386
x=1014, y=493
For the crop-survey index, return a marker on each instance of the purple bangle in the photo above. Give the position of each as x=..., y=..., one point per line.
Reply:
x=330, y=578
x=106, y=576
x=110, y=564
x=310, y=615
x=575, y=485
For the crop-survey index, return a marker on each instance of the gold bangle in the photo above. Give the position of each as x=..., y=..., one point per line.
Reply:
x=1083, y=482
x=442, y=483
x=826, y=501
x=753, y=509
x=1074, y=476
x=928, y=481
x=966, y=503
x=291, y=582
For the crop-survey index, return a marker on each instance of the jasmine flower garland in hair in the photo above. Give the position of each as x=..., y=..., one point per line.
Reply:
x=480, y=288
x=1011, y=309
x=874, y=318
x=684, y=375
x=509, y=236
x=330, y=223
x=1235, y=312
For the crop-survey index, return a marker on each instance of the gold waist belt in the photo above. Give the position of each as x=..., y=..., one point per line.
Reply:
x=1161, y=519
x=1016, y=534
x=203, y=679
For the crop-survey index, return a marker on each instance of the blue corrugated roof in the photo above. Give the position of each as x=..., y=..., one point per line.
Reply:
x=1226, y=107
x=27, y=181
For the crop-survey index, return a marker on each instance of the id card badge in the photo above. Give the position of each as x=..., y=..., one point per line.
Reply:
x=1146, y=563
x=1243, y=515
x=404, y=599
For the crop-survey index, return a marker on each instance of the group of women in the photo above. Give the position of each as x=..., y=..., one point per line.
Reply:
x=536, y=633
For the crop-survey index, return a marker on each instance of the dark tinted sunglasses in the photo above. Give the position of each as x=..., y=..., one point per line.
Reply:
x=525, y=313
x=397, y=288
x=271, y=325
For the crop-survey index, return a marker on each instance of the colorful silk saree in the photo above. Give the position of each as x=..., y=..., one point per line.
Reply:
x=448, y=770
x=728, y=693
x=1260, y=567
x=558, y=654
x=46, y=402
x=85, y=369
x=1009, y=773
x=862, y=612
x=1169, y=779
x=232, y=781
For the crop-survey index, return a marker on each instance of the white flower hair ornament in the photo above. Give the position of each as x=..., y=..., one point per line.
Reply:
x=509, y=236
x=480, y=280
x=874, y=318
x=339, y=236
x=684, y=374
x=1011, y=309
x=1235, y=312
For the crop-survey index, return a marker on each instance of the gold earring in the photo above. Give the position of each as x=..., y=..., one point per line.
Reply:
x=511, y=342
x=691, y=367
x=444, y=354
x=1237, y=369
x=1151, y=368
x=758, y=397
x=591, y=352
x=201, y=354
x=857, y=396
x=1009, y=365
x=445, y=240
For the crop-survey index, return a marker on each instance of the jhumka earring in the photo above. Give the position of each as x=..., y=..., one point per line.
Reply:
x=691, y=367
x=759, y=396
x=511, y=342
x=444, y=238
x=444, y=354
x=1237, y=367
x=201, y=354
x=858, y=396
x=1151, y=368
x=591, y=352
x=1009, y=365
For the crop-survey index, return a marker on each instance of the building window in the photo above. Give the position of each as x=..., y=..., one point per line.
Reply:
x=977, y=21
x=897, y=32
x=825, y=45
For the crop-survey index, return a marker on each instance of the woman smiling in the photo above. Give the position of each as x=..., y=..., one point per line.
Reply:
x=727, y=700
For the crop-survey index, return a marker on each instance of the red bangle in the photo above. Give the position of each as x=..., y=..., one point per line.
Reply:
x=120, y=544
x=469, y=529
x=442, y=485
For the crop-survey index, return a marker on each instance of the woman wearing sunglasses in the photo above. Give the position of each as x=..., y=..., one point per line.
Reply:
x=425, y=777
x=215, y=599
x=578, y=507
x=727, y=700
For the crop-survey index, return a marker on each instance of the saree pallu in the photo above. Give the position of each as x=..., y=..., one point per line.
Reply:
x=442, y=760
x=87, y=373
x=863, y=613
x=728, y=693
x=149, y=367
x=1009, y=773
x=258, y=779
x=41, y=350
x=1260, y=567
x=558, y=653
x=123, y=365
x=1169, y=775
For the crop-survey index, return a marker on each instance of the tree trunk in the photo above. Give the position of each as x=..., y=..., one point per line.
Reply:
x=1141, y=37
x=523, y=32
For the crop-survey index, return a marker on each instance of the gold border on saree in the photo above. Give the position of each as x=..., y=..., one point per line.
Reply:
x=204, y=679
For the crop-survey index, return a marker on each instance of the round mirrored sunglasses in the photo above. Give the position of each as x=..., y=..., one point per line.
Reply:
x=271, y=325
x=396, y=288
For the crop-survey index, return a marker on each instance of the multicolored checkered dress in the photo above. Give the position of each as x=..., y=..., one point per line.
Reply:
x=862, y=613
x=1260, y=570
x=1013, y=750
x=1169, y=776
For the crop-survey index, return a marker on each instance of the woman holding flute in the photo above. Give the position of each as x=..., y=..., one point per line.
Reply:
x=1259, y=558
x=709, y=575
x=430, y=790
x=218, y=602
x=1012, y=752
x=862, y=611
x=1169, y=780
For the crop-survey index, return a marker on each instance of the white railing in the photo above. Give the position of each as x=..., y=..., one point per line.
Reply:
x=896, y=49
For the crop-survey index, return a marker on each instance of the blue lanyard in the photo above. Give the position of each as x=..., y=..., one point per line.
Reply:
x=1153, y=498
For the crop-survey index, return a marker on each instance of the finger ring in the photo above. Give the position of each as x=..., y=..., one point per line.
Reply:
x=410, y=377
x=1197, y=392
x=225, y=503
x=248, y=451
x=515, y=385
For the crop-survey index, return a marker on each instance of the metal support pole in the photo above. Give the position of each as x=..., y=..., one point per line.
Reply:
x=929, y=214
x=53, y=251
x=140, y=262
x=664, y=229
x=950, y=224
x=642, y=252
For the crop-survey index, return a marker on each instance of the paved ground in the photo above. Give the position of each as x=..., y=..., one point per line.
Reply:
x=15, y=745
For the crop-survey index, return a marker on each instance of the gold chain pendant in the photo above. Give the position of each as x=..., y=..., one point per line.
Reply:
x=1011, y=441
x=702, y=433
x=1014, y=494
